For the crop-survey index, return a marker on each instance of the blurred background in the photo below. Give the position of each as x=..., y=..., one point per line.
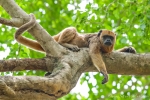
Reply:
x=129, y=19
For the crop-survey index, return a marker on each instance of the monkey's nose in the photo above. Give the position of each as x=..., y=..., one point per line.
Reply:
x=108, y=40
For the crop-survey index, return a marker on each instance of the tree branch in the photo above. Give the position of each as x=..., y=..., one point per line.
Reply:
x=23, y=64
x=38, y=32
x=126, y=64
x=6, y=22
x=67, y=70
x=122, y=63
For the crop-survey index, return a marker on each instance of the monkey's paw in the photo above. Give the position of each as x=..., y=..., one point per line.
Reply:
x=130, y=50
x=75, y=48
x=48, y=73
x=105, y=80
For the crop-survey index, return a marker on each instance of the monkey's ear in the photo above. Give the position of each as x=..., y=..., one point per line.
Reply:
x=99, y=33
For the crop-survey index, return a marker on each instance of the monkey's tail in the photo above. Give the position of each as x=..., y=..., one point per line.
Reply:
x=25, y=26
x=25, y=41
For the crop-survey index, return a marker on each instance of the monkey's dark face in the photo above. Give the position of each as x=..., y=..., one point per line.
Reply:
x=108, y=40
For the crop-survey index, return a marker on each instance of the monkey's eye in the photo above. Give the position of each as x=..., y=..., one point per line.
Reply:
x=107, y=37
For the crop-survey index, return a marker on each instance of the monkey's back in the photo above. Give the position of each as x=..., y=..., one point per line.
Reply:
x=80, y=41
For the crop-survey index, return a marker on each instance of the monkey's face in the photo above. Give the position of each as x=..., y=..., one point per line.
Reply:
x=107, y=38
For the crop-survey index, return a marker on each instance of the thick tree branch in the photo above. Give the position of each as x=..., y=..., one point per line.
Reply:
x=122, y=63
x=39, y=33
x=23, y=64
x=68, y=69
x=126, y=64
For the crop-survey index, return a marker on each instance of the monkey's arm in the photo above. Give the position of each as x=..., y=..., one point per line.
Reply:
x=70, y=46
x=95, y=54
x=25, y=41
x=127, y=49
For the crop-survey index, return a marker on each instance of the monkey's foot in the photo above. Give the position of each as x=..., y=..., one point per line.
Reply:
x=129, y=50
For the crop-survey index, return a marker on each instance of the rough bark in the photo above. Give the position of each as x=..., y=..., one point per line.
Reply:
x=65, y=66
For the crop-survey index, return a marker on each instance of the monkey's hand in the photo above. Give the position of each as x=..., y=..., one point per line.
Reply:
x=127, y=50
x=105, y=80
x=74, y=48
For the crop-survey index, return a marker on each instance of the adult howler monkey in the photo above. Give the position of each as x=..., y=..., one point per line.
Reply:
x=103, y=42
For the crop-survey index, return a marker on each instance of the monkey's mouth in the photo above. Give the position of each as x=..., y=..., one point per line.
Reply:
x=108, y=43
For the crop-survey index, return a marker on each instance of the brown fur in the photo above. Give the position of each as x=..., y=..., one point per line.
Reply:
x=96, y=47
x=70, y=39
x=104, y=48
x=25, y=41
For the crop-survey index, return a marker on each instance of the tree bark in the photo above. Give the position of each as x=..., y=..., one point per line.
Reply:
x=65, y=66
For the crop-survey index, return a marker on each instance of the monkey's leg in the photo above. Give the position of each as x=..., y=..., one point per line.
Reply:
x=94, y=51
x=30, y=43
x=127, y=50
x=66, y=36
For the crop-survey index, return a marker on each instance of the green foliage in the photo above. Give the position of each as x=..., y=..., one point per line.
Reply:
x=130, y=19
